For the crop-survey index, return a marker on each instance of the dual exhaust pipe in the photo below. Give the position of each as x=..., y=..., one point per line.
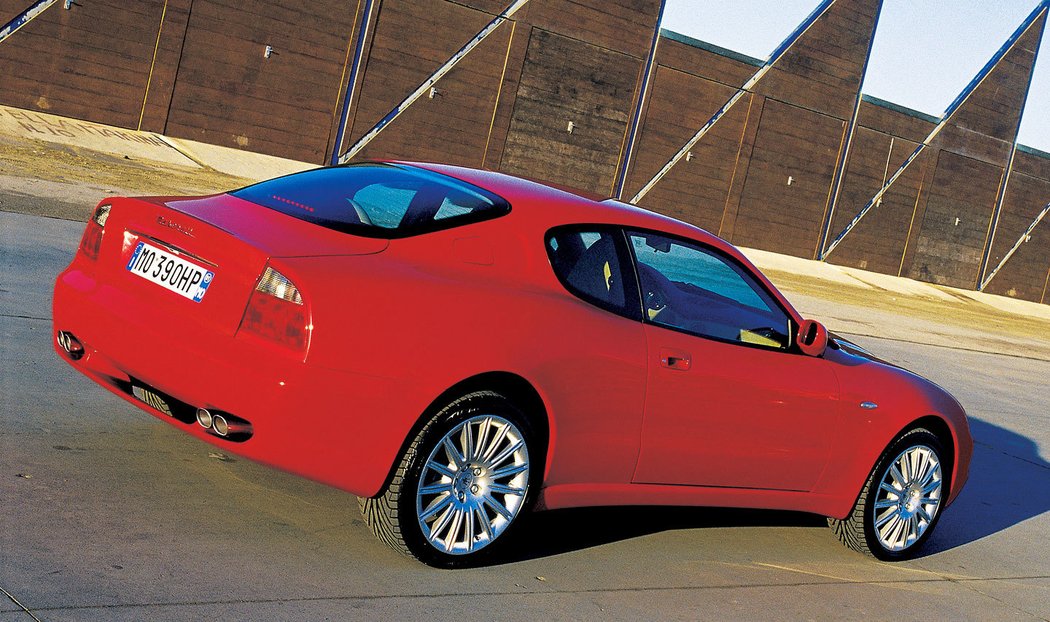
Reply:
x=70, y=344
x=224, y=425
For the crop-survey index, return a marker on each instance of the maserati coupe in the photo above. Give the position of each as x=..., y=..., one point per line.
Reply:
x=458, y=347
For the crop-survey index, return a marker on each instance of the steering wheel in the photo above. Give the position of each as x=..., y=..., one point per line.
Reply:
x=654, y=289
x=655, y=301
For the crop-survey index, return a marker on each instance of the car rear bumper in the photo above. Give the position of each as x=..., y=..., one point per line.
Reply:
x=335, y=427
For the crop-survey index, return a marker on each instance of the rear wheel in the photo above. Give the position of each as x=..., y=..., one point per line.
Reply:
x=464, y=480
x=901, y=501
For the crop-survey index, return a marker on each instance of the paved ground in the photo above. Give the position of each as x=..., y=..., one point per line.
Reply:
x=108, y=514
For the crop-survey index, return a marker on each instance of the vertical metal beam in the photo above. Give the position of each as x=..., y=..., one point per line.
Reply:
x=24, y=18
x=993, y=223
x=840, y=166
x=1021, y=240
x=499, y=92
x=355, y=71
x=1046, y=283
x=784, y=46
x=1000, y=198
x=437, y=75
x=152, y=65
x=632, y=131
x=948, y=113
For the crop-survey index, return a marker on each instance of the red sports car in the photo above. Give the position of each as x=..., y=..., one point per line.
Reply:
x=457, y=346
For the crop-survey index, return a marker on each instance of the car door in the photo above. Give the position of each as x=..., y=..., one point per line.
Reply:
x=729, y=401
x=596, y=373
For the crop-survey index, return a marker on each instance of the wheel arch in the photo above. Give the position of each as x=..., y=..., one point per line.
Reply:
x=508, y=384
x=845, y=497
x=944, y=433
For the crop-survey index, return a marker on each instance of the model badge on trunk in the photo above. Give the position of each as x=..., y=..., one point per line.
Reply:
x=171, y=224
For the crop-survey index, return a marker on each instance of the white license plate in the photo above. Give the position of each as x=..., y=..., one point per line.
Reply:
x=171, y=272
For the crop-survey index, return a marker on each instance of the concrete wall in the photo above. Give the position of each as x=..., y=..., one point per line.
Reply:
x=762, y=177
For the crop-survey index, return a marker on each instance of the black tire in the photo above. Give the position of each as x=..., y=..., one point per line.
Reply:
x=393, y=515
x=858, y=530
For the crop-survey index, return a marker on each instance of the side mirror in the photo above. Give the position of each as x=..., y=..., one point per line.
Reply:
x=812, y=338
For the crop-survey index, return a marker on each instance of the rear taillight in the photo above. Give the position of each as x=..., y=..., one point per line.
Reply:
x=96, y=226
x=276, y=312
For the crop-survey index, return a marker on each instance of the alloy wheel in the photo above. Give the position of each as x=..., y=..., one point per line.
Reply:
x=473, y=484
x=908, y=498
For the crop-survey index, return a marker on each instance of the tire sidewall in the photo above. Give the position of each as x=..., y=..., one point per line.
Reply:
x=911, y=439
x=446, y=420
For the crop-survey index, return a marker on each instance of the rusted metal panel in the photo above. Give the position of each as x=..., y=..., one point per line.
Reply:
x=412, y=40
x=951, y=238
x=568, y=81
x=697, y=188
x=70, y=63
x=1022, y=275
x=228, y=92
x=788, y=180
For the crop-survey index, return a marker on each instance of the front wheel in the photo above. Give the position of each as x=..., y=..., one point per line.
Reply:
x=464, y=480
x=901, y=501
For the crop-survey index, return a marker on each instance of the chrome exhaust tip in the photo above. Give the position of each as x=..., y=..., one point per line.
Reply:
x=224, y=425
x=228, y=426
x=220, y=426
x=204, y=418
x=70, y=344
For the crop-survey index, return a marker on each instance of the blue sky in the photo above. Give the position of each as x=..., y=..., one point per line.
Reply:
x=925, y=51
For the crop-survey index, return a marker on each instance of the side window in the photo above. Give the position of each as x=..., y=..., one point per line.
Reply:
x=694, y=289
x=591, y=264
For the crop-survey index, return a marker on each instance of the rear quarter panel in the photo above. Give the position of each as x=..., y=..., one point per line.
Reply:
x=432, y=311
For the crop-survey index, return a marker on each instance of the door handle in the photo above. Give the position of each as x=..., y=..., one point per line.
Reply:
x=675, y=359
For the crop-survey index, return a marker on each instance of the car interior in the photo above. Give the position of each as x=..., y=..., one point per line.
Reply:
x=589, y=265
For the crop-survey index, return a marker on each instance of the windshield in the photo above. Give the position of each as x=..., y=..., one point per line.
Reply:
x=377, y=200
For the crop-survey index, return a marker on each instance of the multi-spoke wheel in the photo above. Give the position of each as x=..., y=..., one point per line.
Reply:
x=901, y=501
x=460, y=486
x=908, y=498
x=473, y=484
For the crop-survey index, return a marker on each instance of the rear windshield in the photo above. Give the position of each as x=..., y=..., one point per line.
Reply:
x=377, y=200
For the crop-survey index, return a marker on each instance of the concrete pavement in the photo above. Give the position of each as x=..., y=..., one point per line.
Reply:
x=109, y=514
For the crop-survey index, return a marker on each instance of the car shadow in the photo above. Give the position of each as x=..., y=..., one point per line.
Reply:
x=554, y=532
x=1009, y=483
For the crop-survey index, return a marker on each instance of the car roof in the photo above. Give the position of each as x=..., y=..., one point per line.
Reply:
x=558, y=206
x=552, y=207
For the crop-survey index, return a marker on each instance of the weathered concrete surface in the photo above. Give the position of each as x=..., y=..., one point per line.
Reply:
x=29, y=125
x=108, y=514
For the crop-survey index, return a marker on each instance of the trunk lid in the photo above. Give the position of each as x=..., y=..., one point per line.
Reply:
x=277, y=234
x=222, y=242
